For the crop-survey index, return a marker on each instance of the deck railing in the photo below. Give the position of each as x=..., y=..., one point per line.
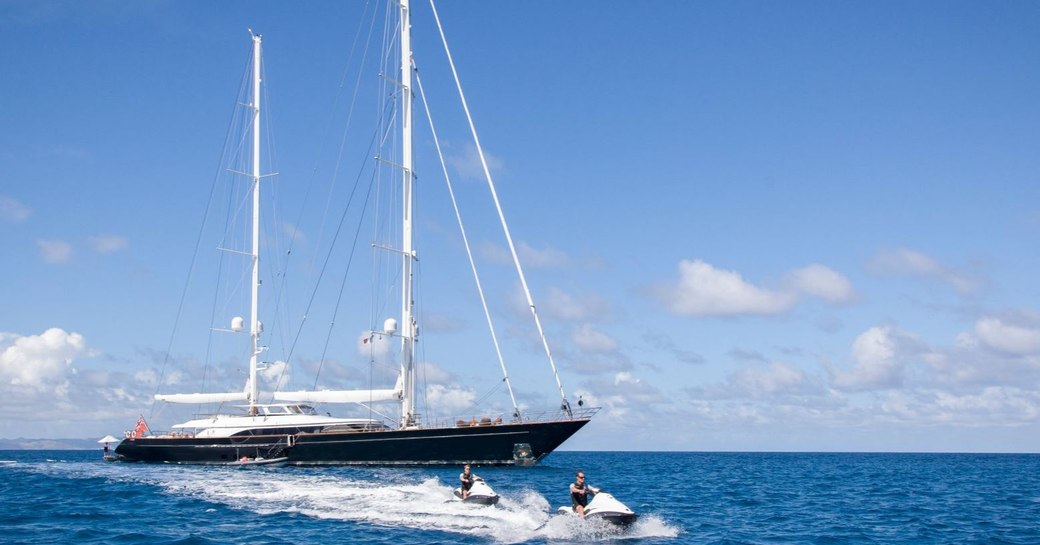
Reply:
x=477, y=420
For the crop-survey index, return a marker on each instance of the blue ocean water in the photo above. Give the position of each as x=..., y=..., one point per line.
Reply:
x=732, y=498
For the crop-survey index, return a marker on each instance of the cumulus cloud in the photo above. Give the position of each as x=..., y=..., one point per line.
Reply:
x=54, y=251
x=990, y=406
x=374, y=346
x=822, y=282
x=893, y=381
x=450, y=399
x=589, y=339
x=11, y=210
x=583, y=307
x=1013, y=335
x=776, y=378
x=703, y=290
x=876, y=362
x=544, y=258
x=107, y=244
x=40, y=362
x=275, y=375
x=467, y=163
x=627, y=399
x=664, y=342
x=767, y=382
x=906, y=262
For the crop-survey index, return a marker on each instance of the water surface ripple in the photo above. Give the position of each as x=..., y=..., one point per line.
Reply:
x=725, y=498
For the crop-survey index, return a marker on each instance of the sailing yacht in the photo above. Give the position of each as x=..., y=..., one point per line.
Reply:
x=290, y=430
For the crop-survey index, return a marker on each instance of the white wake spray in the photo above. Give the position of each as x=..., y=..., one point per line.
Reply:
x=411, y=502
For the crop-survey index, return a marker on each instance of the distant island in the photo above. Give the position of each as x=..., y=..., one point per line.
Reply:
x=49, y=444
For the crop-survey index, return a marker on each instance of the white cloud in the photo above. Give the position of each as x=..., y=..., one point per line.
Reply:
x=11, y=210
x=766, y=383
x=1013, y=338
x=776, y=378
x=906, y=262
x=434, y=373
x=704, y=290
x=824, y=283
x=107, y=244
x=565, y=306
x=664, y=342
x=293, y=232
x=545, y=258
x=275, y=375
x=450, y=400
x=589, y=339
x=468, y=165
x=54, y=251
x=42, y=361
x=1000, y=405
x=375, y=346
x=627, y=400
x=442, y=323
x=495, y=253
x=876, y=361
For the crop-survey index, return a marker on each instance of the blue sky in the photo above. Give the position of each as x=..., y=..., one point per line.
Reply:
x=747, y=225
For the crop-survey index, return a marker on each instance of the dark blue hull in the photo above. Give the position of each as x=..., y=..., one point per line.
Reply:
x=522, y=443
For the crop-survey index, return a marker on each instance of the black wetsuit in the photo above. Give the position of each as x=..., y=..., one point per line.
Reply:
x=580, y=498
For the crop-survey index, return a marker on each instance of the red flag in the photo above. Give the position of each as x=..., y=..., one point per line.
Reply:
x=140, y=428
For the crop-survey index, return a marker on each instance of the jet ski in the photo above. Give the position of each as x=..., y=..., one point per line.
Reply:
x=480, y=493
x=604, y=506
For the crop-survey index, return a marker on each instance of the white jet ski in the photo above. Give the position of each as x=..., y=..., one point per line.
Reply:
x=480, y=493
x=604, y=506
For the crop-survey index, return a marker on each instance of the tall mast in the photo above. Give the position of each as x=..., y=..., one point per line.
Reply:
x=254, y=322
x=408, y=328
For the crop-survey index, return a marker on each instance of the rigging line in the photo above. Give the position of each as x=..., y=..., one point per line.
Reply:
x=386, y=121
x=501, y=215
x=270, y=227
x=328, y=255
x=198, y=244
x=325, y=131
x=487, y=395
x=343, y=283
x=343, y=139
x=216, y=289
x=469, y=251
x=420, y=310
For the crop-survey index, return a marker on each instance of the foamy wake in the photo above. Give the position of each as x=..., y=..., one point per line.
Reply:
x=427, y=505
x=520, y=516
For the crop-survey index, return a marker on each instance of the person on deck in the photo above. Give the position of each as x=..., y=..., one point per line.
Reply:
x=467, y=479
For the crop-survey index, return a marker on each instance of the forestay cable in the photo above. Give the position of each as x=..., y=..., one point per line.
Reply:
x=501, y=216
x=465, y=241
